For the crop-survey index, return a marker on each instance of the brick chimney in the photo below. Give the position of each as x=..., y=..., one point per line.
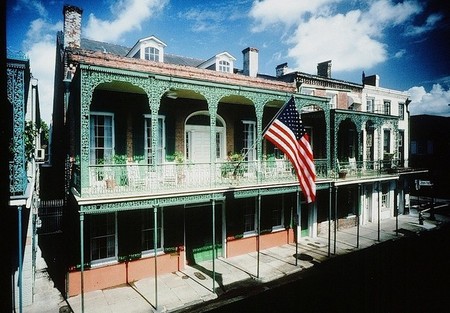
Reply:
x=250, y=61
x=281, y=69
x=324, y=69
x=72, y=26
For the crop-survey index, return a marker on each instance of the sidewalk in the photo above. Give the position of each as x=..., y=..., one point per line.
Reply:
x=194, y=284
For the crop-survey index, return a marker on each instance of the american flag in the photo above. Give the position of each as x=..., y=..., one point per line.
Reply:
x=288, y=134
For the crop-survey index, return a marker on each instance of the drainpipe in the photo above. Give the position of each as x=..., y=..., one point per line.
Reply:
x=329, y=220
x=335, y=216
x=359, y=214
x=82, y=259
x=214, y=243
x=379, y=210
x=19, y=217
x=298, y=224
x=155, y=247
x=259, y=234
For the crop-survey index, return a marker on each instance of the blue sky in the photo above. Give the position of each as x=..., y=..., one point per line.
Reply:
x=406, y=42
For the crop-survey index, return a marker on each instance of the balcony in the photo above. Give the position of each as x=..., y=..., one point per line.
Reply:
x=142, y=179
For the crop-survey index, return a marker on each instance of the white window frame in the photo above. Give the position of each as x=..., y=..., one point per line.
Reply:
x=252, y=216
x=150, y=229
x=387, y=107
x=92, y=141
x=161, y=139
x=93, y=224
x=224, y=66
x=249, y=140
x=370, y=104
x=152, y=53
x=333, y=99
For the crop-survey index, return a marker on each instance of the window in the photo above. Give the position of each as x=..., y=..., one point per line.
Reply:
x=103, y=237
x=151, y=54
x=385, y=195
x=387, y=141
x=224, y=66
x=160, y=143
x=307, y=91
x=277, y=218
x=370, y=104
x=401, y=110
x=249, y=220
x=401, y=139
x=387, y=107
x=148, y=230
x=333, y=99
x=101, y=138
x=249, y=147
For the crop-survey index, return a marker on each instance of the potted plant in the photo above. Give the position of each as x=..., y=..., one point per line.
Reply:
x=342, y=173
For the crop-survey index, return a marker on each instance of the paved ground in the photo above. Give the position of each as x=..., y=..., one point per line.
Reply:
x=179, y=290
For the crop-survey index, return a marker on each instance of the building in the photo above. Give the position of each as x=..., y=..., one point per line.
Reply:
x=24, y=119
x=430, y=148
x=166, y=164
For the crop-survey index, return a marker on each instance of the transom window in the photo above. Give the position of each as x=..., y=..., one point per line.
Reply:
x=224, y=66
x=151, y=54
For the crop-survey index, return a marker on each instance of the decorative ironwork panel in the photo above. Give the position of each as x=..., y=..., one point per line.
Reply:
x=16, y=96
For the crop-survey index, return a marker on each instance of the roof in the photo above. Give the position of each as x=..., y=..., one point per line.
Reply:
x=105, y=47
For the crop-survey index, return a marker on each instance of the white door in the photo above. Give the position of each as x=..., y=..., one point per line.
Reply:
x=200, y=144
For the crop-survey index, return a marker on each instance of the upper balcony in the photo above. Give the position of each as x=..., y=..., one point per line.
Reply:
x=133, y=179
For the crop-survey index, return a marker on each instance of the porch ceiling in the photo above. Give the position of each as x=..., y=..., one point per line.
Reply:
x=120, y=86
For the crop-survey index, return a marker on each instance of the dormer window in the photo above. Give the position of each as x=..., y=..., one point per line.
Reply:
x=224, y=66
x=151, y=54
x=222, y=62
x=150, y=48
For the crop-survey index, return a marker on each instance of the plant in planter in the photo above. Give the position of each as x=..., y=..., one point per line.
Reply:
x=232, y=167
x=342, y=173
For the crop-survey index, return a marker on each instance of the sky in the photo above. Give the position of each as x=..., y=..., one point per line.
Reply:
x=406, y=43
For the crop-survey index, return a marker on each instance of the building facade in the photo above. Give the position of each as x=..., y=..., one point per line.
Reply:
x=24, y=147
x=167, y=166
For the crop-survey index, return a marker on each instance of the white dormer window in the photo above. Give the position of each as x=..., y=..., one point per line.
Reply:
x=224, y=66
x=150, y=48
x=222, y=62
x=151, y=54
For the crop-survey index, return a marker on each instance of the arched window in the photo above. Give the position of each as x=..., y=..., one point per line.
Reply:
x=151, y=54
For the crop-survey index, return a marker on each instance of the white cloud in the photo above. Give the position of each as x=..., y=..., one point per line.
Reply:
x=435, y=102
x=40, y=48
x=128, y=16
x=352, y=39
x=32, y=5
x=286, y=12
x=430, y=24
x=345, y=39
x=204, y=20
